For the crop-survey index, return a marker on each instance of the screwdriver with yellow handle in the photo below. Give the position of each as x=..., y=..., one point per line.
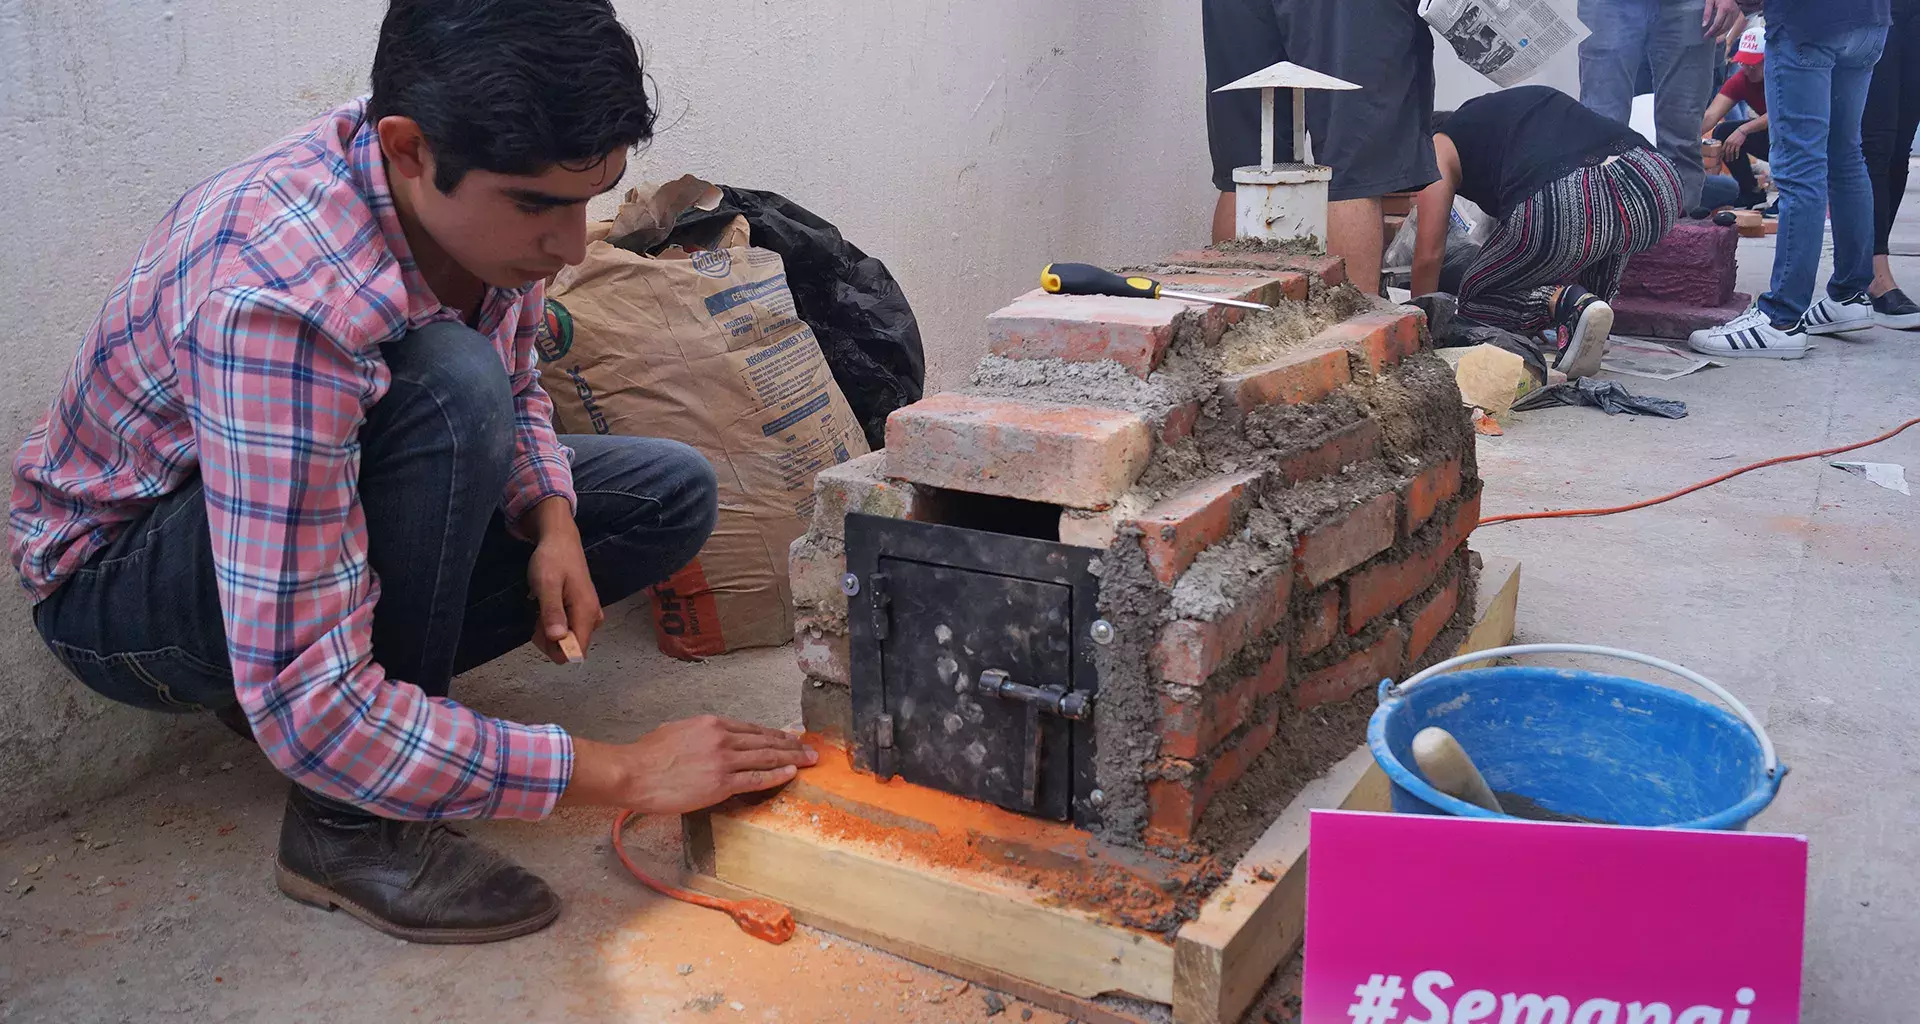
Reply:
x=1086, y=279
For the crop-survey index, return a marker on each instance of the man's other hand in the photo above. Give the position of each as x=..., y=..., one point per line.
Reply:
x=1717, y=17
x=557, y=575
x=685, y=765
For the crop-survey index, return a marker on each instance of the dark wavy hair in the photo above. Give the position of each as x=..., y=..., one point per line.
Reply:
x=511, y=86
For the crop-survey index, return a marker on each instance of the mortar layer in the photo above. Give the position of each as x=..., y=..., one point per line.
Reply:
x=1061, y=864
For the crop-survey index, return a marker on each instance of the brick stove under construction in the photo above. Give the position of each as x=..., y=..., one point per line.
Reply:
x=1148, y=544
x=1096, y=629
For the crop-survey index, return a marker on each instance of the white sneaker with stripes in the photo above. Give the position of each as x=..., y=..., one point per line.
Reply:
x=1751, y=335
x=1833, y=316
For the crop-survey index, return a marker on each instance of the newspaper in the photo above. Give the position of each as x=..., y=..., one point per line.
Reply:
x=1505, y=40
x=1651, y=359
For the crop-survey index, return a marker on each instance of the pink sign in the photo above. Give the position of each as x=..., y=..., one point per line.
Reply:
x=1421, y=919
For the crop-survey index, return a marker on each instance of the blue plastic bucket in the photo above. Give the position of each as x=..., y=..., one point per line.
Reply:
x=1598, y=747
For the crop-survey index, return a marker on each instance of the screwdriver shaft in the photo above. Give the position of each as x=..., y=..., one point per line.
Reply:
x=1195, y=297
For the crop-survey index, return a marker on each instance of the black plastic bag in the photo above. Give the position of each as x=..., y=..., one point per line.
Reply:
x=1609, y=396
x=855, y=307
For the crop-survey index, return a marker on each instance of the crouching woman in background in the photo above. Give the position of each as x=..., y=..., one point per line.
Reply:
x=1575, y=193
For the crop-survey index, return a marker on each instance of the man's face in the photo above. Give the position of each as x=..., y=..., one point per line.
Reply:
x=512, y=230
x=1754, y=72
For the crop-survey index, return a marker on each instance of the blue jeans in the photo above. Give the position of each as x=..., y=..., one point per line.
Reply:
x=141, y=622
x=1816, y=90
x=1665, y=35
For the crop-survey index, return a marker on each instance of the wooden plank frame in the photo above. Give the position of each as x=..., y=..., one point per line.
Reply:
x=1003, y=937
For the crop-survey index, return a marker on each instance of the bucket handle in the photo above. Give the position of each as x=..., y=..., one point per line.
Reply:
x=1759, y=731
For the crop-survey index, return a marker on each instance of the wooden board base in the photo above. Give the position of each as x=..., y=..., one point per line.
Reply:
x=981, y=926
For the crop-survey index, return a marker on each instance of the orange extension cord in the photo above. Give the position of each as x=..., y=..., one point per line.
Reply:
x=1572, y=512
x=762, y=919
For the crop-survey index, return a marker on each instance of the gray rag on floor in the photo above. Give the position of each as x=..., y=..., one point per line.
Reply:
x=1609, y=395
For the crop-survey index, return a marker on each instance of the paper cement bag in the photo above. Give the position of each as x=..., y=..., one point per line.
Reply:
x=704, y=348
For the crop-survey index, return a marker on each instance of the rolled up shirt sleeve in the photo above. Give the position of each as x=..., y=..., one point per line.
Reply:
x=277, y=396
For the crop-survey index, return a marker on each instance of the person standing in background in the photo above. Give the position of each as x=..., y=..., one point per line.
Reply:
x=1886, y=140
x=1377, y=138
x=1676, y=38
x=1820, y=60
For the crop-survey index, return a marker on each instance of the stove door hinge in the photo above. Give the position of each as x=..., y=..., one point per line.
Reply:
x=882, y=605
x=883, y=746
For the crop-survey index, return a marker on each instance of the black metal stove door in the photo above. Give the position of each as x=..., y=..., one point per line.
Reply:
x=947, y=627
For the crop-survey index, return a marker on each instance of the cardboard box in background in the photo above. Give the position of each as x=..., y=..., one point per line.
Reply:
x=704, y=348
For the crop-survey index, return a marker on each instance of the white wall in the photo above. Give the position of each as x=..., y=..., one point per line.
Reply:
x=965, y=142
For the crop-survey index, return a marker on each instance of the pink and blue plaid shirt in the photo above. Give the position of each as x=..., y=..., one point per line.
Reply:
x=245, y=345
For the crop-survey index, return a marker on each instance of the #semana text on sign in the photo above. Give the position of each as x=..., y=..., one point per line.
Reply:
x=1377, y=1001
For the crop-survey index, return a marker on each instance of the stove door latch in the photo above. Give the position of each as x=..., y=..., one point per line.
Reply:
x=1054, y=700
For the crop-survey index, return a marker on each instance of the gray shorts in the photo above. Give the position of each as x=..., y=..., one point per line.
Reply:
x=1377, y=139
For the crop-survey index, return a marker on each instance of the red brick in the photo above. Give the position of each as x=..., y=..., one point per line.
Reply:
x=1356, y=535
x=1322, y=624
x=1086, y=328
x=1177, y=799
x=1190, y=727
x=1179, y=423
x=1431, y=620
x=1356, y=672
x=1077, y=456
x=1189, y=651
x=858, y=485
x=1330, y=270
x=1375, y=591
x=1358, y=441
x=1301, y=376
x=822, y=650
x=1176, y=529
x=1428, y=491
x=1380, y=338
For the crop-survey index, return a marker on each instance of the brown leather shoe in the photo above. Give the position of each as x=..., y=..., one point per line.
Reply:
x=418, y=881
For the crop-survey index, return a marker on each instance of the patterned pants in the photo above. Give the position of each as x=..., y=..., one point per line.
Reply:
x=1579, y=229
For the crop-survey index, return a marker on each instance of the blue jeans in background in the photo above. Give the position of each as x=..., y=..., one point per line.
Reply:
x=1816, y=90
x=1665, y=34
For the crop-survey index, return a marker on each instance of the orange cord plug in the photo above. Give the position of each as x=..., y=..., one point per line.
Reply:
x=762, y=919
x=1515, y=517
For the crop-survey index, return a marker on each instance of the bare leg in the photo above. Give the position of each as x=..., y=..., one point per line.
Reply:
x=1883, y=281
x=1225, y=216
x=1354, y=232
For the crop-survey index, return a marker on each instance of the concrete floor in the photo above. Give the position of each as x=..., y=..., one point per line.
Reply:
x=1795, y=586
